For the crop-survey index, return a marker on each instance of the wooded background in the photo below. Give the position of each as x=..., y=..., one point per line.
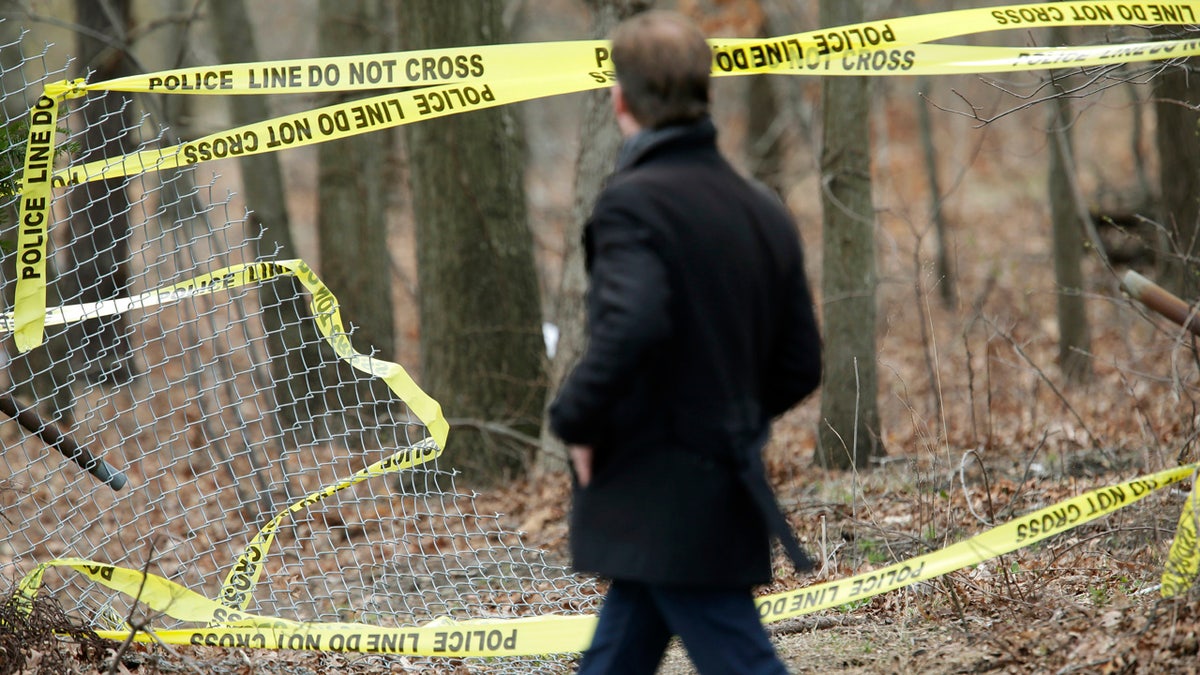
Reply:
x=450, y=244
x=964, y=237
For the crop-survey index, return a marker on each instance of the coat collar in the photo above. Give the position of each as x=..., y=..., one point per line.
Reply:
x=645, y=142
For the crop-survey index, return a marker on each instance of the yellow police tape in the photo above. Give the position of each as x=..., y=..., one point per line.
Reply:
x=239, y=585
x=324, y=306
x=33, y=217
x=552, y=634
x=515, y=62
x=1183, y=562
x=392, y=110
x=472, y=78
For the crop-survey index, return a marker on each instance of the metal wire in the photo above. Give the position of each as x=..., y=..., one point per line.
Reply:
x=183, y=399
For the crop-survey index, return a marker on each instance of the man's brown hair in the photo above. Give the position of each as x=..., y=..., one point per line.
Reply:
x=663, y=64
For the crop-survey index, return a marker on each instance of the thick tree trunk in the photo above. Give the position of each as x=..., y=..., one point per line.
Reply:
x=98, y=249
x=481, y=337
x=592, y=167
x=1177, y=106
x=351, y=191
x=849, y=427
x=292, y=339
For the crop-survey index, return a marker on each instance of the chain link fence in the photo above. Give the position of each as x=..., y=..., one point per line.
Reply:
x=204, y=408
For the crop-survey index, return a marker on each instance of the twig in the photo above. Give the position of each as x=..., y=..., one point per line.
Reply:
x=1012, y=502
x=976, y=314
x=962, y=481
x=1097, y=80
x=134, y=624
x=808, y=624
x=498, y=428
x=1044, y=378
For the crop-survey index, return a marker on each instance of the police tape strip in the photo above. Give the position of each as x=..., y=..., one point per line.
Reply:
x=33, y=218
x=509, y=64
x=392, y=110
x=517, y=636
x=325, y=309
x=565, y=58
x=290, y=131
x=239, y=585
x=1183, y=561
x=936, y=59
x=560, y=634
x=1011, y=536
x=387, y=111
x=339, y=121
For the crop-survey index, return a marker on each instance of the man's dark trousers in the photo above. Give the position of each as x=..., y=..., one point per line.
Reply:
x=720, y=629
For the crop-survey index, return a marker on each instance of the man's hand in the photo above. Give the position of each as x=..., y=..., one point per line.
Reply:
x=581, y=459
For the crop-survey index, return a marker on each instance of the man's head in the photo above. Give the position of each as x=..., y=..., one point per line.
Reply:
x=663, y=66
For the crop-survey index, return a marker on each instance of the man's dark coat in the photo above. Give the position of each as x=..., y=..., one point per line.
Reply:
x=701, y=330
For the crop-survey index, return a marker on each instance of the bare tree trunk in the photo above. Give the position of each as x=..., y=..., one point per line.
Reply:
x=849, y=428
x=1074, y=336
x=292, y=338
x=351, y=190
x=765, y=127
x=945, y=274
x=592, y=167
x=98, y=250
x=482, y=354
x=1138, y=126
x=1177, y=106
x=213, y=387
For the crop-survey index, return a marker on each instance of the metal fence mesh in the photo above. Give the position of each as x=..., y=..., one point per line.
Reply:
x=188, y=400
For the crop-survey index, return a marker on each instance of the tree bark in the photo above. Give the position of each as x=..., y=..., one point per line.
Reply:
x=352, y=184
x=592, y=167
x=1177, y=107
x=764, y=132
x=292, y=339
x=98, y=249
x=945, y=273
x=482, y=353
x=849, y=428
x=1074, y=336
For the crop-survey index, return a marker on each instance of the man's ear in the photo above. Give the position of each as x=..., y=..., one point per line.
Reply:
x=626, y=122
x=620, y=107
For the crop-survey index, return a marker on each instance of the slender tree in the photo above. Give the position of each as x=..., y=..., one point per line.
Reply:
x=849, y=426
x=945, y=273
x=482, y=354
x=1074, y=336
x=764, y=128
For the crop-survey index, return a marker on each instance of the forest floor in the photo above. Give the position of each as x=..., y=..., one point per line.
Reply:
x=1010, y=438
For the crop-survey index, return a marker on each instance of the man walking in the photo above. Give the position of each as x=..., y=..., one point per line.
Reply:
x=701, y=330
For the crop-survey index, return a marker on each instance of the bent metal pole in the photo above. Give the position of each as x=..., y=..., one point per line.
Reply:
x=1161, y=300
x=64, y=444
